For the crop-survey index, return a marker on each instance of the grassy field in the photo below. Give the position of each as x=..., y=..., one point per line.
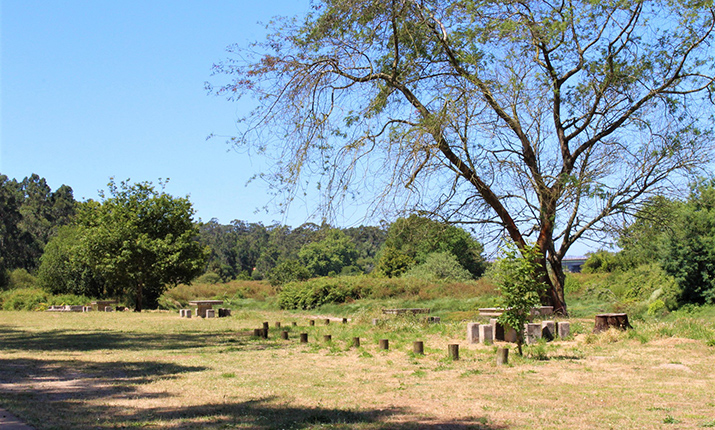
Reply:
x=156, y=370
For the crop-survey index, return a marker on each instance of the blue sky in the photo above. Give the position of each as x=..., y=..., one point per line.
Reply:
x=97, y=89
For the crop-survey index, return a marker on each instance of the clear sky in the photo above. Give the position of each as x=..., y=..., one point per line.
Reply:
x=93, y=89
x=96, y=89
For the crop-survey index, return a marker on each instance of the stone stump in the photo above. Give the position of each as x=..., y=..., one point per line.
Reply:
x=502, y=356
x=606, y=321
x=284, y=335
x=384, y=344
x=356, y=342
x=304, y=338
x=453, y=349
x=497, y=329
x=418, y=347
x=485, y=334
x=548, y=330
x=473, y=332
x=509, y=334
x=532, y=333
x=564, y=329
x=327, y=338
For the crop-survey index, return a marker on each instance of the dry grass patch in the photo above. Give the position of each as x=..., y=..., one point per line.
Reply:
x=156, y=370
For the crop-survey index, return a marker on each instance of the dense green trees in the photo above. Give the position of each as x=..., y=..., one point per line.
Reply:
x=689, y=248
x=30, y=213
x=132, y=244
x=411, y=240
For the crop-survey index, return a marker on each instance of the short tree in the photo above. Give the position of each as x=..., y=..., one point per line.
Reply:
x=141, y=240
x=520, y=287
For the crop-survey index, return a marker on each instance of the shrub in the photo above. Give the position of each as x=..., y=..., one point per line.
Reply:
x=317, y=292
x=209, y=278
x=288, y=271
x=24, y=299
x=21, y=278
x=440, y=266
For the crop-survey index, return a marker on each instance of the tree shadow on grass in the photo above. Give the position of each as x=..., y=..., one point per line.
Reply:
x=76, y=394
x=270, y=413
x=83, y=341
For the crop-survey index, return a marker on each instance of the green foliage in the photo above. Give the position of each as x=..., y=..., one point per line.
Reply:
x=140, y=240
x=30, y=214
x=288, y=271
x=209, y=278
x=316, y=292
x=642, y=241
x=393, y=263
x=330, y=255
x=516, y=275
x=20, y=278
x=440, y=266
x=26, y=299
x=690, y=250
x=63, y=269
x=602, y=261
x=411, y=240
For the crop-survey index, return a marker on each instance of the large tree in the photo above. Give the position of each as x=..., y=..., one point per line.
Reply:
x=141, y=240
x=542, y=119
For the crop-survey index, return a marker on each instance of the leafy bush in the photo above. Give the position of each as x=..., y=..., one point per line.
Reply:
x=317, y=292
x=24, y=299
x=440, y=266
x=602, y=262
x=209, y=278
x=288, y=271
x=21, y=278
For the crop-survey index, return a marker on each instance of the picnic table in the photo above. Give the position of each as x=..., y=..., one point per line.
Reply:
x=103, y=304
x=204, y=305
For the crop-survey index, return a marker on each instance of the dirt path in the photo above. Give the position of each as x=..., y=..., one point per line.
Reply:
x=9, y=421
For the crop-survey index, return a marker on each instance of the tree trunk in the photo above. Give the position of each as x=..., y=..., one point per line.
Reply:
x=556, y=286
x=138, y=298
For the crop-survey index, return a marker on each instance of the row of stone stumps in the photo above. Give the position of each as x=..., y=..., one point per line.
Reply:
x=383, y=344
x=549, y=330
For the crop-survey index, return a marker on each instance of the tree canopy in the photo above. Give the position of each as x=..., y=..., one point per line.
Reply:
x=140, y=240
x=535, y=120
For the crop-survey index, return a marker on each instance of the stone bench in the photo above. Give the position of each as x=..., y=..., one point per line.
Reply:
x=399, y=311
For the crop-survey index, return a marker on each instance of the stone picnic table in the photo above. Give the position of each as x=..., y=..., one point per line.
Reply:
x=204, y=305
x=103, y=304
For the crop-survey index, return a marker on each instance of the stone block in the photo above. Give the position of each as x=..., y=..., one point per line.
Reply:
x=108, y=309
x=187, y=313
x=532, y=333
x=509, y=334
x=486, y=334
x=497, y=329
x=548, y=330
x=210, y=313
x=473, y=332
x=564, y=329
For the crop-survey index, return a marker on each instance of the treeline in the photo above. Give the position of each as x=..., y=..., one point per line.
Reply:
x=667, y=255
x=30, y=215
x=282, y=254
x=139, y=240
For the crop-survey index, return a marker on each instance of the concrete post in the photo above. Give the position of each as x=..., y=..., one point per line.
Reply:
x=485, y=334
x=473, y=332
